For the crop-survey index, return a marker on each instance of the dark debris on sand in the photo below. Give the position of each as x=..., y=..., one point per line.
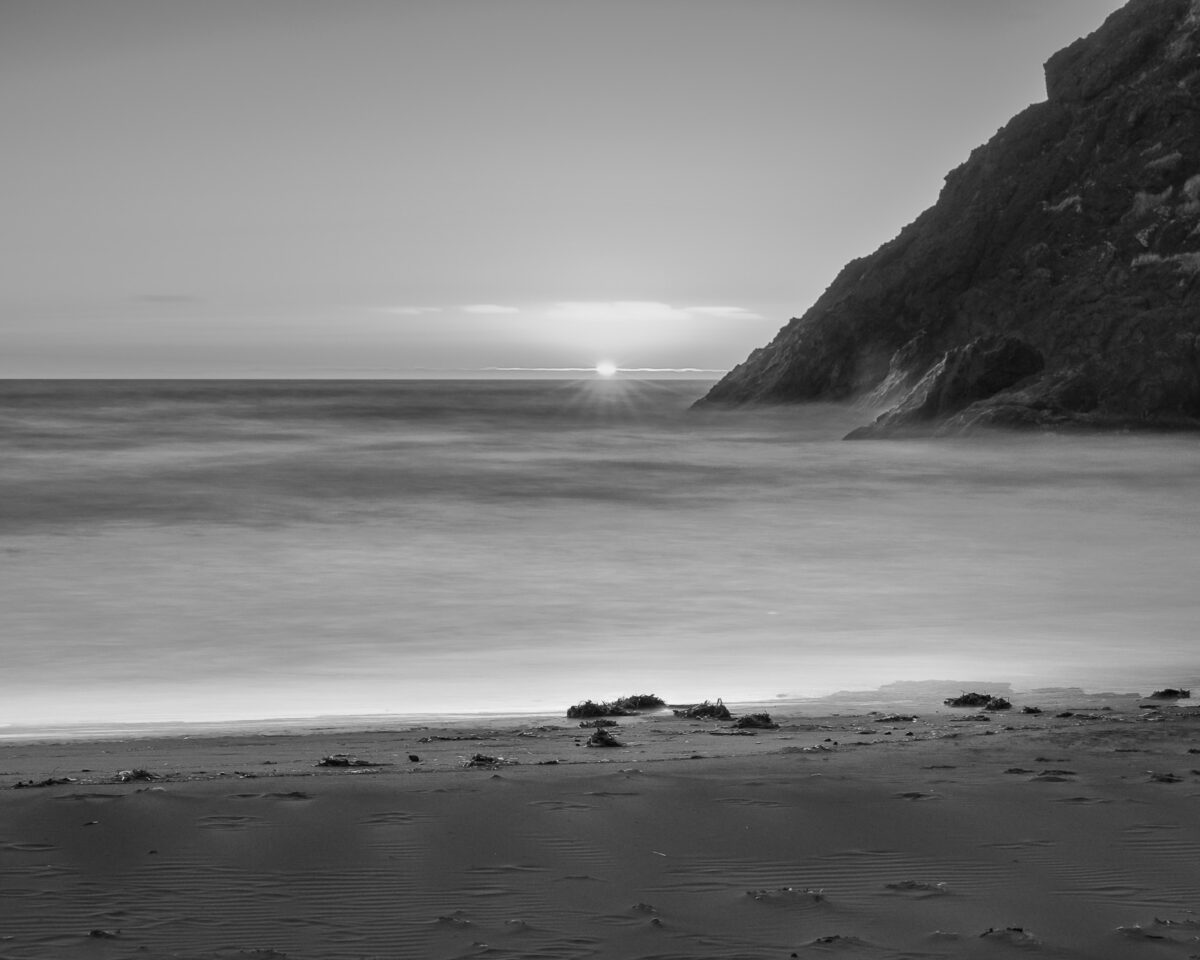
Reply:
x=976, y=700
x=48, y=782
x=1018, y=936
x=589, y=708
x=704, y=711
x=756, y=721
x=784, y=895
x=640, y=701
x=621, y=707
x=488, y=762
x=131, y=776
x=345, y=760
x=968, y=700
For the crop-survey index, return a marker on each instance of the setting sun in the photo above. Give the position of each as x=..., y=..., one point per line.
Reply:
x=606, y=368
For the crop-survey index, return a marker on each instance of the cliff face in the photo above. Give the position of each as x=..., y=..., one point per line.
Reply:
x=1066, y=249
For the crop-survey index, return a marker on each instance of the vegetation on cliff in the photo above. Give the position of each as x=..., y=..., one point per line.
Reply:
x=1055, y=281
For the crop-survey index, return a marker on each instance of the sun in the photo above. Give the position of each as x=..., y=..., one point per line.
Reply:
x=606, y=368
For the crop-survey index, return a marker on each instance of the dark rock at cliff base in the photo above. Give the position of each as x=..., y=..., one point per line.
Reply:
x=1072, y=236
x=972, y=372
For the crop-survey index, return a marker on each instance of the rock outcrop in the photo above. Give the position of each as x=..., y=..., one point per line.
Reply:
x=964, y=375
x=1056, y=281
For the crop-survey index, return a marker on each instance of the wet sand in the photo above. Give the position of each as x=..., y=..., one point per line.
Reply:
x=836, y=835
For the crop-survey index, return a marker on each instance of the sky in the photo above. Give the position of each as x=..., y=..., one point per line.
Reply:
x=387, y=188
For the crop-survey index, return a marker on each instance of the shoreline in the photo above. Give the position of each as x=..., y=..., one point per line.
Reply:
x=1070, y=833
x=295, y=749
x=903, y=695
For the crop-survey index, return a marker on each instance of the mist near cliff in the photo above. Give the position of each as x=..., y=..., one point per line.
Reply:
x=205, y=550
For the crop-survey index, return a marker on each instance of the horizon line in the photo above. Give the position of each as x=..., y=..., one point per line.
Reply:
x=353, y=374
x=593, y=370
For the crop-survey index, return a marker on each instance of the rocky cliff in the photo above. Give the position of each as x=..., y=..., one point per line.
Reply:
x=1056, y=281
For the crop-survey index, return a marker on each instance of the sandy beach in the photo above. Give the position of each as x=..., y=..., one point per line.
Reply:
x=1068, y=833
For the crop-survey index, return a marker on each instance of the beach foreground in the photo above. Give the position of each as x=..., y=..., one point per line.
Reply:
x=1037, y=835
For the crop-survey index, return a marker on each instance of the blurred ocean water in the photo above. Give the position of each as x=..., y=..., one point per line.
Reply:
x=202, y=550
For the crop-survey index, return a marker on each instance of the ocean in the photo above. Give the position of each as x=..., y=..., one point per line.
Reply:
x=204, y=551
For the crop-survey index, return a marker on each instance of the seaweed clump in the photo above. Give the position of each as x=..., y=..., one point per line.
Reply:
x=48, y=782
x=128, y=776
x=589, y=708
x=704, y=711
x=756, y=721
x=640, y=701
x=969, y=700
x=602, y=738
x=488, y=762
x=345, y=760
x=621, y=707
x=1170, y=693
